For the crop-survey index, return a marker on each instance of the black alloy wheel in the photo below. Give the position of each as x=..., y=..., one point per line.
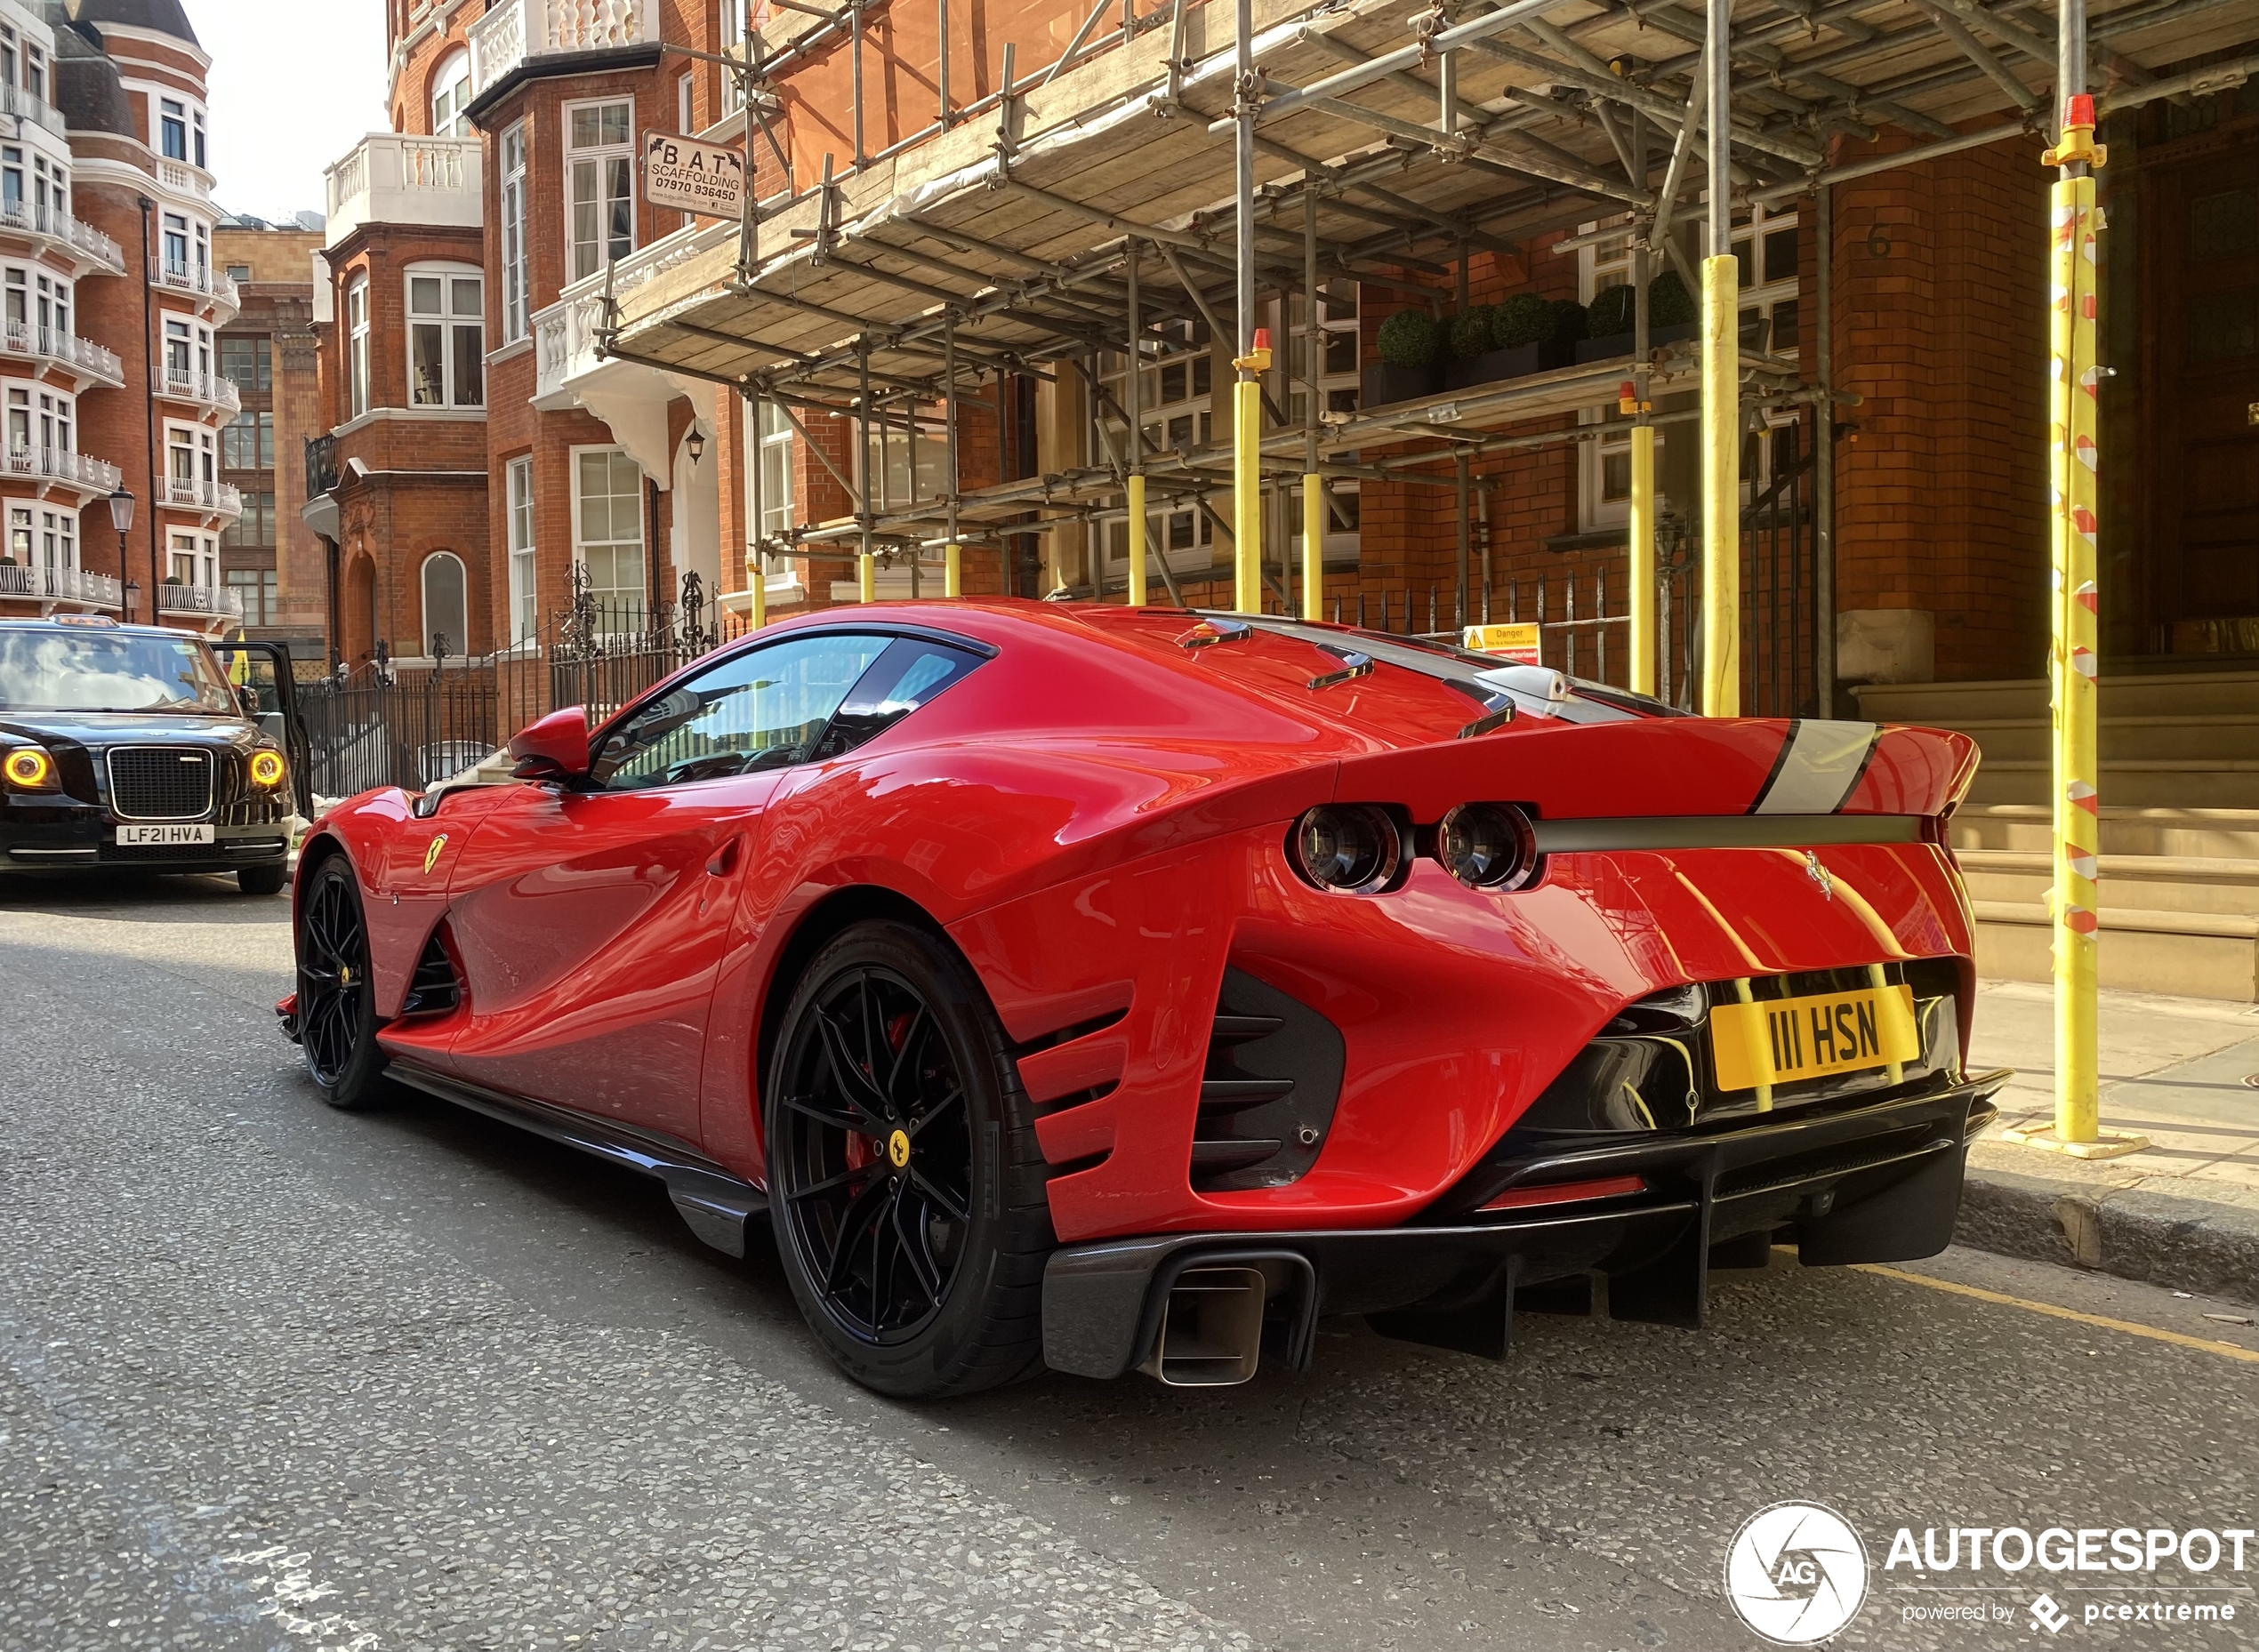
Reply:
x=336, y=1008
x=903, y=1177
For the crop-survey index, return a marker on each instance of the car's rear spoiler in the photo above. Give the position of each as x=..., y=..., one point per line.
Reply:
x=1674, y=768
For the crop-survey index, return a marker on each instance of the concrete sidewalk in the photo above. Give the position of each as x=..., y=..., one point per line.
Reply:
x=2184, y=1211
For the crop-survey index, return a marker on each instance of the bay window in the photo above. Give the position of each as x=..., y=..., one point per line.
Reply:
x=608, y=534
x=357, y=328
x=519, y=478
x=599, y=186
x=447, y=338
x=514, y=304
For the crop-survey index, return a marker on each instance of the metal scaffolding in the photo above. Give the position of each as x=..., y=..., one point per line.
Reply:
x=1178, y=162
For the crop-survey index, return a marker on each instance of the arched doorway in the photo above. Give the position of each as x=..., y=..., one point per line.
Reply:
x=447, y=608
x=358, y=642
x=695, y=542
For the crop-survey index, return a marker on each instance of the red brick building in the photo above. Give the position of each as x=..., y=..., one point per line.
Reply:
x=112, y=305
x=1931, y=524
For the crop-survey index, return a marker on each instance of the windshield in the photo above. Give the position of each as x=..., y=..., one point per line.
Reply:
x=93, y=671
x=1480, y=676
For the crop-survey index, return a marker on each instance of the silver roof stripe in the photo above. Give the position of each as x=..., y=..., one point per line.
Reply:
x=1819, y=764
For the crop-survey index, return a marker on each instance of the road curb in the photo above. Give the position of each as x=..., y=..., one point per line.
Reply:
x=2148, y=1228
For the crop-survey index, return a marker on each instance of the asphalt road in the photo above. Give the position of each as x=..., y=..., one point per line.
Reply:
x=272, y=1376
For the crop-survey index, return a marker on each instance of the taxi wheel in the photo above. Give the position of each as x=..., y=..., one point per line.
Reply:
x=336, y=1008
x=262, y=879
x=904, y=1180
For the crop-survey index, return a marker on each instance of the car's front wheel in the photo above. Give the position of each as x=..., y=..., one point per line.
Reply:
x=904, y=1175
x=336, y=1007
x=262, y=879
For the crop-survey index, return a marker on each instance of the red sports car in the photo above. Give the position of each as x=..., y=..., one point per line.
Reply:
x=1118, y=989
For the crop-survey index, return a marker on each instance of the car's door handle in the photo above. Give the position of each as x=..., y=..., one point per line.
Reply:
x=725, y=861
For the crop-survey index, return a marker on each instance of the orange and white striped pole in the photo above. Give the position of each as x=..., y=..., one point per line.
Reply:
x=2073, y=471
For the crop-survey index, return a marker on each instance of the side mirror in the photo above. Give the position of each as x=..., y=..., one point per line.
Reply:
x=553, y=748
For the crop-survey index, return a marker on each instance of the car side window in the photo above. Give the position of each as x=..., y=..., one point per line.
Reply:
x=762, y=709
x=910, y=672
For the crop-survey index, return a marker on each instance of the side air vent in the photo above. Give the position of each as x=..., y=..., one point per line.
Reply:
x=1268, y=1092
x=434, y=990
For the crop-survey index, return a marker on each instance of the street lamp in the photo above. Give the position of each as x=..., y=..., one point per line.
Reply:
x=697, y=446
x=121, y=516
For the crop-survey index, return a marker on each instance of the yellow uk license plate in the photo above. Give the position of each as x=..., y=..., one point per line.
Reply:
x=1782, y=1041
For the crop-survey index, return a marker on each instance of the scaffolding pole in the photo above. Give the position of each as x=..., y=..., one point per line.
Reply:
x=2073, y=607
x=952, y=554
x=866, y=562
x=1314, y=493
x=1639, y=531
x=1721, y=394
x=1133, y=411
x=1250, y=360
x=756, y=575
x=1823, y=457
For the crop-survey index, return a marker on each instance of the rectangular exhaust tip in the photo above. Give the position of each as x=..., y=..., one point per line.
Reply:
x=1211, y=1329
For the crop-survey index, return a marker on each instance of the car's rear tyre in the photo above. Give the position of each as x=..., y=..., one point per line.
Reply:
x=904, y=1180
x=262, y=879
x=336, y=1006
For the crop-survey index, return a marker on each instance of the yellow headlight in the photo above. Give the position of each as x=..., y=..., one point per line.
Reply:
x=29, y=768
x=266, y=769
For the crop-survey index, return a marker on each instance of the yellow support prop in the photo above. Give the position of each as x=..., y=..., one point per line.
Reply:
x=2074, y=225
x=1313, y=513
x=1137, y=539
x=1247, y=497
x=757, y=589
x=866, y=577
x=1721, y=486
x=2071, y=524
x=952, y=569
x=1642, y=572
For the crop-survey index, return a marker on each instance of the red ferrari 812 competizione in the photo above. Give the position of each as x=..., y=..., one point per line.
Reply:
x=1118, y=989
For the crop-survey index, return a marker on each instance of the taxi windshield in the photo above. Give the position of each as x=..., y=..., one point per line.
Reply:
x=90, y=671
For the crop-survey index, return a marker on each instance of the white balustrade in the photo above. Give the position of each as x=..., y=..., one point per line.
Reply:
x=21, y=216
x=517, y=29
x=213, y=600
x=186, y=493
x=56, y=464
x=398, y=178
x=21, y=338
x=39, y=584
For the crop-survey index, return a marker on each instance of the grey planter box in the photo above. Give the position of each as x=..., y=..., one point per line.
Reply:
x=1620, y=343
x=1384, y=383
x=1518, y=363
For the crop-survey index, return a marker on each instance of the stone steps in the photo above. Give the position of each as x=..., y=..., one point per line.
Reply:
x=2178, y=829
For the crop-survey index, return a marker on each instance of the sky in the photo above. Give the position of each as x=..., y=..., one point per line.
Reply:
x=294, y=84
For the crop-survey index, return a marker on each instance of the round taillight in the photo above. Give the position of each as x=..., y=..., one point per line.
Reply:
x=1349, y=848
x=1487, y=845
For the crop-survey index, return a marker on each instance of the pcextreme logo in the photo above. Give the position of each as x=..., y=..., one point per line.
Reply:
x=1796, y=1573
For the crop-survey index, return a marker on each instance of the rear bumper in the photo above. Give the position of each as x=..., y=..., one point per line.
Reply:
x=1875, y=1183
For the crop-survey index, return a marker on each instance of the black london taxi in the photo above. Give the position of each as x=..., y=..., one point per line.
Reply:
x=127, y=746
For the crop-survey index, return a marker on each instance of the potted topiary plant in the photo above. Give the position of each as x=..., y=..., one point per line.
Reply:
x=1411, y=345
x=1672, y=315
x=1525, y=337
x=1473, y=332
